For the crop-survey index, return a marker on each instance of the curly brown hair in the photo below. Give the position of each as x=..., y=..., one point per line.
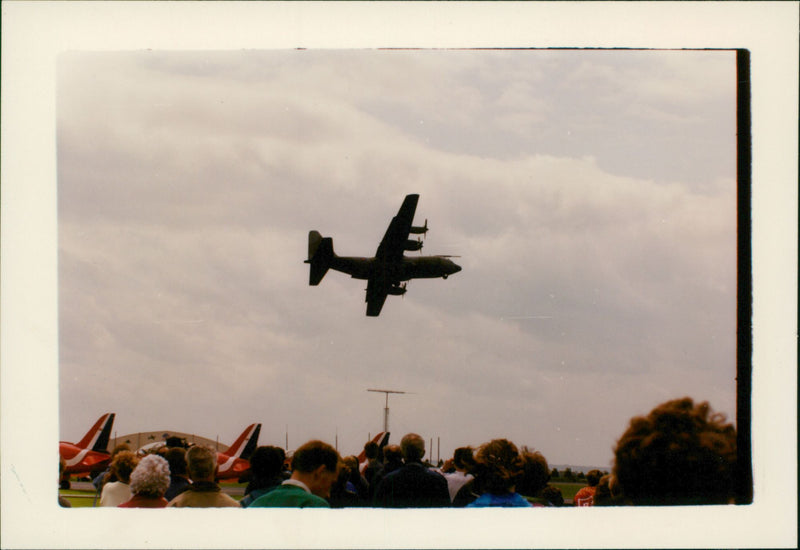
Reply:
x=123, y=464
x=536, y=473
x=498, y=466
x=680, y=453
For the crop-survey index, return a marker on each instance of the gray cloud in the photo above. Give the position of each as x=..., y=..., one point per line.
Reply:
x=591, y=196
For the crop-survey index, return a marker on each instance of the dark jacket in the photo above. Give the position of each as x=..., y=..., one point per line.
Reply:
x=412, y=486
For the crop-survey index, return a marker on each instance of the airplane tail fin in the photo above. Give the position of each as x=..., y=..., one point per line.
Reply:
x=98, y=436
x=246, y=443
x=320, y=254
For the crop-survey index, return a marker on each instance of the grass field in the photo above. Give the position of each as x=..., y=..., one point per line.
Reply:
x=568, y=489
x=85, y=499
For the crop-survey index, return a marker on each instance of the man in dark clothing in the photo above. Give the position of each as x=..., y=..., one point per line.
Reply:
x=266, y=470
x=374, y=466
x=178, y=480
x=413, y=485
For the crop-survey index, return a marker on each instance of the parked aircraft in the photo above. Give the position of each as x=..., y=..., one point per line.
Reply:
x=234, y=462
x=90, y=454
x=389, y=268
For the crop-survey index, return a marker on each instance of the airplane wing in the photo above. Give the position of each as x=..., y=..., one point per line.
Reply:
x=376, y=296
x=391, y=247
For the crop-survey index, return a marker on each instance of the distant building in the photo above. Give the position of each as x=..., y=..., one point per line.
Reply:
x=138, y=440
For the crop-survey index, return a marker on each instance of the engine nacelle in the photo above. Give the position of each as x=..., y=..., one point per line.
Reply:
x=417, y=230
x=412, y=245
x=397, y=290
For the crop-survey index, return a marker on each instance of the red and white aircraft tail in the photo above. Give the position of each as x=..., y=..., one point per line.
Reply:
x=91, y=452
x=234, y=462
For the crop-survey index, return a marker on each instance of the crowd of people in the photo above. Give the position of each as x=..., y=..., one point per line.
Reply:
x=680, y=453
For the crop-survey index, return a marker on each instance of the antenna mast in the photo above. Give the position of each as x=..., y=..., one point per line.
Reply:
x=386, y=409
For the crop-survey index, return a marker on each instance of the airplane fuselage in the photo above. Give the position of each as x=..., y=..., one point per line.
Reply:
x=231, y=467
x=423, y=267
x=80, y=461
x=389, y=267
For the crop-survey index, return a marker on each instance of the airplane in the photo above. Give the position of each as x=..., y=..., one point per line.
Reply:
x=235, y=463
x=90, y=454
x=389, y=268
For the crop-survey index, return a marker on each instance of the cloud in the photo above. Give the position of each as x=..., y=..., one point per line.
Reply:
x=188, y=184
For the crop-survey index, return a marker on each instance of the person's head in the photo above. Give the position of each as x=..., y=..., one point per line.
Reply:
x=463, y=459
x=267, y=462
x=498, y=466
x=553, y=495
x=413, y=447
x=593, y=477
x=535, y=473
x=123, y=464
x=118, y=449
x=317, y=465
x=351, y=464
x=392, y=454
x=680, y=453
x=604, y=494
x=201, y=462
x=176, y=457
x=371, y=450
x=150, y=478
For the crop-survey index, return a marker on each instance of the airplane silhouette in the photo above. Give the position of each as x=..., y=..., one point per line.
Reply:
x=234, y=462
x=90, y=454
x=390, y=267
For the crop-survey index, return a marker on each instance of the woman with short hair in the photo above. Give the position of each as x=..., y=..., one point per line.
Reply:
x=149, y=482
x=116, y=492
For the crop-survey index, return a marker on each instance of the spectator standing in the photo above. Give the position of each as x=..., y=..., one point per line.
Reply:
x=149, y=482
x=585, y=497
x=463, y=463
x=373, y=466
x=315, y=467
x=203, y=492
x=266, y=467
x=535, y=475
x=105, y=476
x=680, y=453
x=116, y=492
x=178, y=482
x=552, y=494
x=605, y=494
x=499, y=467
x=413, y=485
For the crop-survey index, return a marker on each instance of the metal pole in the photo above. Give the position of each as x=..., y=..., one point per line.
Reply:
x=386, y=407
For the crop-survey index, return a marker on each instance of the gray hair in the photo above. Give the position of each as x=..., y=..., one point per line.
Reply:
x=151, y=476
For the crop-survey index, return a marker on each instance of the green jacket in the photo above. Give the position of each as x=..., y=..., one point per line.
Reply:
x=289, y=496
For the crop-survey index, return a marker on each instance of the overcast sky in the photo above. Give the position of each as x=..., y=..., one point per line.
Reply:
x=590, y=195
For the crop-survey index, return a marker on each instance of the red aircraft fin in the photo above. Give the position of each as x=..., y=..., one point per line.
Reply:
x=98, y=435
x=246, y=443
